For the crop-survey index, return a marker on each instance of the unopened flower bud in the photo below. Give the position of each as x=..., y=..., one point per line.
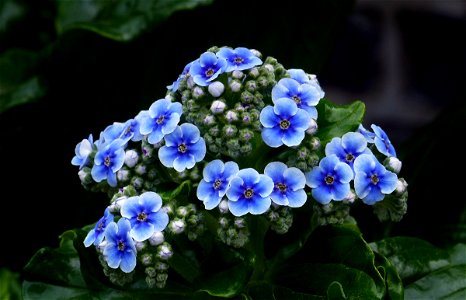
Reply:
x=256, y=53
x=140, y=245
x=157, y=238
x=182, y=211
x=231, y=116
x=84, y=176
x=164, y=251
x=150, y=271
x=235, y=86
x=237, y=74
x=350, y=197
x=216, y=89
x=393, y=164
x=269, y=67
x=223, y=207
x=254, y=72
x=230, y=130
x=240, y=223
x=131, y=158
x=146, y=259
x=123, y=175
x=314, y=143
x=217, y=107
x=198, y=92
x=312, y=129
x=209, y=120
x=177, y=226
x=401, y=186
x=161, y=266
x=140, y=169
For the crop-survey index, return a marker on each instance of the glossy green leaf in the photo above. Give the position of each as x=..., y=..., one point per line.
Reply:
x=395, y=289
x=121, y=20
x=10, y=287
x=335, y=120
x=227, y=283
x=335, y=291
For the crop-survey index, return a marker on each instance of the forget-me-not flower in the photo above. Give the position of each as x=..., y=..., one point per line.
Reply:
x=95, y=236
x=120, y=250
x=368, y=135
x=216, y=179
x=174, y=86
x=82, y=152
x=183, y=148
x=372, y=181
x=284, y=123
x=348, y=147
x=330, y=180
x=288, y=184
x=239, y=58
x=162, y=118
x=382, y=142
x=108, y=160
x=207, y=68
x=249, y=192
x=145, y=215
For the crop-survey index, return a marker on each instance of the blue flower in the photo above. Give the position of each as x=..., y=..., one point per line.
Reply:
x=174, y=86
x=372, y=181
x=382, y=142
x=144, y=214
x=161, y=119
x=283, y=123
x=238, y=59
x=82, y=152
x=131, y=131
x=249, y=192
x=330, y=180
x=120, y=250
x=305, y=95
x=183, y=148
x=215, y=181
x=207, y=68
x=108, y=160
x=299, y=75
x=288, y=184
x=96, y=235
x=348, y=147
x=368, y=135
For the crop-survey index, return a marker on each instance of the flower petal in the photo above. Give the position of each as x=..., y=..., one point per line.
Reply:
x=238, y=208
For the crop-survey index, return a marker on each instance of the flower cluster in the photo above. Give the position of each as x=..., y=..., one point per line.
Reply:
x=236, y=137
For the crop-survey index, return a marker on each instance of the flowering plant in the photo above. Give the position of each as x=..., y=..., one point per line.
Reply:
x=239, y=182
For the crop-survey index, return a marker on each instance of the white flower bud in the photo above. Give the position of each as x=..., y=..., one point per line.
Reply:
x=190, y=82
x=401, y=186
x=146, y=259
x=141, y=169
x=269, y=67
x=177, y=226
x=254, y=72
x=131, y=158
x=157, y=238
x=164, y=252
x=256, y=53
x=216, y=88
x=82, y=175
x=209, y=120
x=393, y=164
x=235, y=86
x=123, y=175
x=169, y=97
x=223, y=206
x=312, y=129
x=231, y=116
x=350, y=197
x=140, y=246
x=198, y=92
x=217, y=107
x=237, y=74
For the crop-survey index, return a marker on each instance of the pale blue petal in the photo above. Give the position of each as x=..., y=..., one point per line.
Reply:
x=291, y=85
x=205, y=191
x=190, y=132
x=272, y=137
x=297, y=198
x=249, y=176
x=354, y=142
x=275, y=170
x=213, y=170
x=335, y=147
x=279, y=91
x=387, y=183
x=90, y=238
x=279, y=198
x=259, y=205
x=128, y=262
x=212, y=202
x=236, y=189
x=314, y=177
x=265, y=186
x=112, y=255
x=344, y=172
x=155, y=136
x=373, y=196
x=362, y=185
x=231, y=169
x=285, y=108
x=301, y=120
x=111, y=232
x=141, y=231
x=295, y=178
x=364, y=163
x=292, y=137
x=99, y=172
x=130, y=208
x=170, y=123
x=198, y=150
x=340, y=190
x=112, y=179
x=311, y=111
x=309, y=94
x=299, y=75
x=322, y=194
x=207, y=59
x=268, y=118
x=174, y=138
x=328, y=163
x=160, y=220
x=167, y=156
x=238, y=208
x=183, y=162
x=150, y=201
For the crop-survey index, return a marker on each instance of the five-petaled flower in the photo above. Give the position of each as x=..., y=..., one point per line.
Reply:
x=288, y=183
x=348, y=147
x=330, y=180
x=207, y=68
x=120, y=250
x=249, y=192
x=108, y=160
x=95, y=236
x=174, y=86
x=382, y=142
x=372, y=180
x=145, y=215
x=183, y=148
x=216, y=179
x=82, y=152
x=239, y=58
x=284, y=123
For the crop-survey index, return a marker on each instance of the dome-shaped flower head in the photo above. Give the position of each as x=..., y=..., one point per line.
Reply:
x=284, y=123
x=82, y=152
x=288, y=184
x=108, y=160
x=161, y=119
x=372, y=181
x=382, y=142
x=306, y=96
x=174, y=86
x=120, y=250
x=330, y=180
x=348, y=147
x=368, y=135
x=239, y=58
x=96, y=235
x=216, y=179
x=249, y=192
x=207, y=68
x=183, y=148
x=144, y=215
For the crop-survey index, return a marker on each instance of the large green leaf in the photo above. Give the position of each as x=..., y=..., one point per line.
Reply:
x=118, y=20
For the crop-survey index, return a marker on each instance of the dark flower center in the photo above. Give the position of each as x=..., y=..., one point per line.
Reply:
x=209, y=72
x=284, y=124
x=248, y=193
x=217, y=184
x=100, y=226
x=142, y=217
x=349, y=157
x=107, y=161
x=121, y=246
x=374, y=179
x=238, y=60
x=182, y=148
x=329, y=179
x=281, y=186
x=160, y=119
x=296, y=99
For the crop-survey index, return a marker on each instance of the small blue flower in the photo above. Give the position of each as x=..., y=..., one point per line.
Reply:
x=348, y=147
x=174, y=86
x=82, y=152
x=299, y=75
x=183, y=148
x=284, y=123
x=216, y=179
x=306, y=96
x=207, y=68
x=120, y=250
x=330, y=180
x=144, y=214
x=288, y=184
x=96, y=235
x=108, y=160
x=161, y=119
x=382, y=142
x=249, y=192
x=368, y=135
x=238, y=59
x=372, y=181
x=131, y=131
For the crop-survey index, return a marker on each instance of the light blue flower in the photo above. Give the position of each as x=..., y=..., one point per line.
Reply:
x=382, y=142
x=131, y=131
x=348, y=147
x=108, y=160
x=372, y=181
x=82, y=152
x=183, y=148
x=288, y=184
x=306, y=96
x=368, y=135
x=249, y=192
x=207, y=68
x=330, y=180
x=162, y=118
x=216, y=179
x=299, y=75
x=120, y=250
x=144, y=215
x=95, y=236
x=174, y=86
x=284, y=123
x=239, y=58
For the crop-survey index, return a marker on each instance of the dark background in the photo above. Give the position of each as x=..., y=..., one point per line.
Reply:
x=404, y=59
